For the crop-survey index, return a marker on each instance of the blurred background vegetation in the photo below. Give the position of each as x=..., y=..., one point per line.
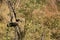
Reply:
x=40, y=19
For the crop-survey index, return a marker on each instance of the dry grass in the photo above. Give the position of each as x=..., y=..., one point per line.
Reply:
x=36, y=18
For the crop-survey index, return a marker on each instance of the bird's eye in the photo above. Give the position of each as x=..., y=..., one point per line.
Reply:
x=17, y=20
